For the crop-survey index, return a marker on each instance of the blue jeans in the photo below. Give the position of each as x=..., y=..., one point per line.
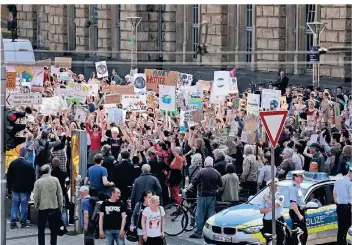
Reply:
x=20, y=198
x=205, y=209
x=113, y=235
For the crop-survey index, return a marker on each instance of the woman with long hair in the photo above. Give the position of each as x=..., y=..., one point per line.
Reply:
x=136, y=218
x=30, y=147
x=95, y=135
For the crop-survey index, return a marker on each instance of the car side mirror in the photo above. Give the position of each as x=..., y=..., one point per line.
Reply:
x=312, y=205
x=250, y=198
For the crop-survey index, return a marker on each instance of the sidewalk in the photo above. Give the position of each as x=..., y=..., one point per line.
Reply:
x=27, y=236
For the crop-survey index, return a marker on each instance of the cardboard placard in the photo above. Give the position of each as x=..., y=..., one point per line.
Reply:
x=46, y=62
x=150, y=99
x=10, y=79
x=113, y=99
x=156, y=77
x=205, y=84
x=118, y=89
x=250, y=123
x=63, y=62
x=251, y=138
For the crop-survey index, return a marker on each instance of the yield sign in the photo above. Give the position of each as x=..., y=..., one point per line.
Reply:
x=273, y=122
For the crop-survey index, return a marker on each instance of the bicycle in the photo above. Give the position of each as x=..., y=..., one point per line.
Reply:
x=187, y=214
x=292, y=236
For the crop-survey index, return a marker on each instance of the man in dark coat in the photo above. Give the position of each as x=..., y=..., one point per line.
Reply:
x=282, y=82
x=20, y=180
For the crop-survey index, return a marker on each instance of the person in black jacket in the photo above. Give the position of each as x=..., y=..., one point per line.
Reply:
x=109, y=160
x=220, y=163
x=282, y=82
x=20, y=180
x=123, y=175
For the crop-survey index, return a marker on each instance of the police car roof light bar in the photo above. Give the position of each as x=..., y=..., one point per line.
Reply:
x=312, y=176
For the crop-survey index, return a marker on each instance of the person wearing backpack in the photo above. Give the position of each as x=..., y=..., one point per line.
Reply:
x=136, y=219
x=42, y=149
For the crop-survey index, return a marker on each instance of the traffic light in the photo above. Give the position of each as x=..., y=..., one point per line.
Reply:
x=11, y=140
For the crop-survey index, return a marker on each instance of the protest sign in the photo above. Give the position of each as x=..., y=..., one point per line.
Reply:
x=10, y=79
x=167, y=98
x=221, y=83
x=63, y=62
x=118, y=89
x=81, y=115
x=283, y=103
x=134, y=102
x=150, y=99
x=244, y=137
x=250, y=123
x=102, y=69
x=116, y=115
x=51, y=106
x=54, y=70
x=93, y=89
x=63, y=76
x=271, y=99
x=234, y=126
x=233, y=88
x=205, y=84
x=253, y=101
x=184, y=79
x=195, y=97
x=113, y=99
x=155, y=78
x=139, y=83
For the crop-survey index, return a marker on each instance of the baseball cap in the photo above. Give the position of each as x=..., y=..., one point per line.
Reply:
x=84, y=188
x=276, y=181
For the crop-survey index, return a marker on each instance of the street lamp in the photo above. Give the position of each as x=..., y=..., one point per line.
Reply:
x=134, y=21
x=316, y=28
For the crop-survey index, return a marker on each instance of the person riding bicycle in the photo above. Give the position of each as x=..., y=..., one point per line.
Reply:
x=266, y=209
x=297, y=213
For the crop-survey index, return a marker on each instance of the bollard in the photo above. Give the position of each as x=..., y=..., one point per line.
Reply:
x=77, y=202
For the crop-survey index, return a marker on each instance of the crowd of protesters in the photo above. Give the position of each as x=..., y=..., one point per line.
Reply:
x=149, y=158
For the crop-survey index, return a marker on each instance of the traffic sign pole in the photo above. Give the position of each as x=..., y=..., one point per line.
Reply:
x=273, y=122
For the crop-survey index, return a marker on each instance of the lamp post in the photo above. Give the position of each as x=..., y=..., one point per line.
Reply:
x=316, y=28
x=134, y=21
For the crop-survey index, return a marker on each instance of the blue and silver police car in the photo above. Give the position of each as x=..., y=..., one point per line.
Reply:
x=241, y=224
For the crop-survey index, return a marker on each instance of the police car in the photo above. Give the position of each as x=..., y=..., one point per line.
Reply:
x=349, y=236
x=241, y=224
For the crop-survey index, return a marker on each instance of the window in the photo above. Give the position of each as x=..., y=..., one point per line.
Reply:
x=249, y=32
x=71, y=26
x=195, y=30
x=318, y=195
x=294, y=27
x=310, y=17
x=118, y=29
x=40, y=39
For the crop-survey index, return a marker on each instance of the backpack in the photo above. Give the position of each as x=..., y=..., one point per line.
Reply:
x=42, y=156
x=94, y=216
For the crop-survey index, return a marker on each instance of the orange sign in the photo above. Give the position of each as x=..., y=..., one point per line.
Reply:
x=117, y=89
x=113, y=99
x=10, y=79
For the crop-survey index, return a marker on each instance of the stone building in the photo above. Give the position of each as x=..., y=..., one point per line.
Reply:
x=245, y=36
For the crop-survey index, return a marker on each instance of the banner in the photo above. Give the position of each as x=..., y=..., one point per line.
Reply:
x=102, y=69
x=139, y=83
x=271, y=99
x=221, y=83
x=167, y=97
x=134, y=102
x=253, y=104
x=155, y=78
x=28, y=78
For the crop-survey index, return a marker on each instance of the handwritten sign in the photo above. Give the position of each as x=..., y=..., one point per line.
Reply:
x=113, y=99
x=63, y=62
x=157, y=77
x=134, y=102
x=118, y=89
x=10, y=79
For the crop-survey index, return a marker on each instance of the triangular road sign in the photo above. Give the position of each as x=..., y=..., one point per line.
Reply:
x=273, y=122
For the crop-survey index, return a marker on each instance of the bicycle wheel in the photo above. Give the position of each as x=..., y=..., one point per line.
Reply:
x=174, y=222
x=191, y=216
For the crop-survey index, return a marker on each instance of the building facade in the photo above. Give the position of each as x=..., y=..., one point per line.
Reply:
x=244, y=36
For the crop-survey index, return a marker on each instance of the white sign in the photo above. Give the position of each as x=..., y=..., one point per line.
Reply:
x=139, y=83
x=64, y=76
x=134, y=102
x=253, y=101
x=167, y=97
x=184, y=79
x=221, y=83
x=233, y=85
x=102, y=69
x=271, y=99
x=93, y=89
x=24, y=99
x=116, y=115
x=81, y=115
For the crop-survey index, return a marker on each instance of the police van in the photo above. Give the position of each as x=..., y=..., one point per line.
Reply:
x=241, y=224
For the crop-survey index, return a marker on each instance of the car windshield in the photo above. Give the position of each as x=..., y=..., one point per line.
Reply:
x=283, y=189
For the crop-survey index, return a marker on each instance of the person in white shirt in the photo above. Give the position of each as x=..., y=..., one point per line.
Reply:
x=265, y=172
x=153, y=223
